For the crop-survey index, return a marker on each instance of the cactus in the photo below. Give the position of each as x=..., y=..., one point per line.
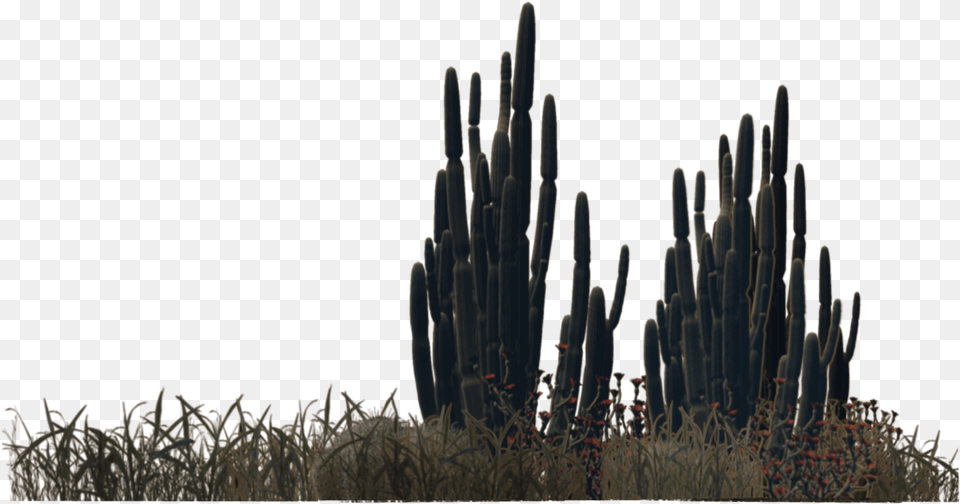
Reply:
x=692, y=342
x=814, y=381
x=799, y=229
x=839, y=372
x=486, y=309
x=775, y=330
x=422, y=370
x=722, y=338
x=741, y=337
x=787, y=394
x=656, y=415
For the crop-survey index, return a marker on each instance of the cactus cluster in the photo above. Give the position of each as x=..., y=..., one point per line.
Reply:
x=730, y=340
x=738, y=347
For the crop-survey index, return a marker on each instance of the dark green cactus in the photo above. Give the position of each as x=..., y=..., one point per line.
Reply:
x=733, y=356
x=670, y=281
x=693, y=353
x=799, y=229
x=521, y=145
x=724, y=151
x=824, y=320
x=814, y=382
x=479, y=280
x=569, y=367
x=787, y=393
x=656, y=414
x=765, y=271
x=473, y=132
x=699, y=227
x=775, y=345
x=546, y=210
x=509, y=270
x=674, y=325
x=422, y=369
x=722, y=337
x=839, y=372
x=595, y=352
x=713, y=312
x=705, y=318
x=467, y=334
x=764, y=166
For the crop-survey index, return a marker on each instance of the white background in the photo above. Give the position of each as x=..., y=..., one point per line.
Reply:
x=228, y=199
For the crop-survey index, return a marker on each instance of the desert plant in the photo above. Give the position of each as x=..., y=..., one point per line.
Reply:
x=723, y=341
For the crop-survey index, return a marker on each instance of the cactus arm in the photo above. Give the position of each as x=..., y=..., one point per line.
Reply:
x=440, y=221
x=787, y=393
x=499, y=170
x=724, y=150
x=776, y=330
x=428, y=260
x=723, y=231
x=561, y=363
x=606, y=368
x=754, y=288
x=623, y=268
x=843, y=381
x=675, y=396
x=423, y=374
x=537, y=300
x=825, y=359
x=740, y=239
x=441, y=367
x=478, y=238
x=716, y=309
x=543, y=238
x=662, y=332
x=834, y=373
x=503, y=117
x=467, y=332
x=654, y=386
x=765, y=271
x=760, y=313
x=698, y=200
x=521, y=145
x=842, y=363
x=491, y=241
x=692, y=345
x=825, y=295
x=743, y=181
x=854, y=327
x=445, y=274
x=674, y=316
x=810, y=382
x=473, y=132
x=670, y=280
x=573, y=358
x=596, y=327
x=799, y=229
x=537, y=290
x=509, y=304
x=705, y=315
x=704, y=303
x=535, y=332
x=546, y=209
x=703, y=296
x=764, y=167
x=492, y=341
x=732, y=356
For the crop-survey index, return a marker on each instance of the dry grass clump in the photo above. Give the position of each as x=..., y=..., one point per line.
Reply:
x=852, y=459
